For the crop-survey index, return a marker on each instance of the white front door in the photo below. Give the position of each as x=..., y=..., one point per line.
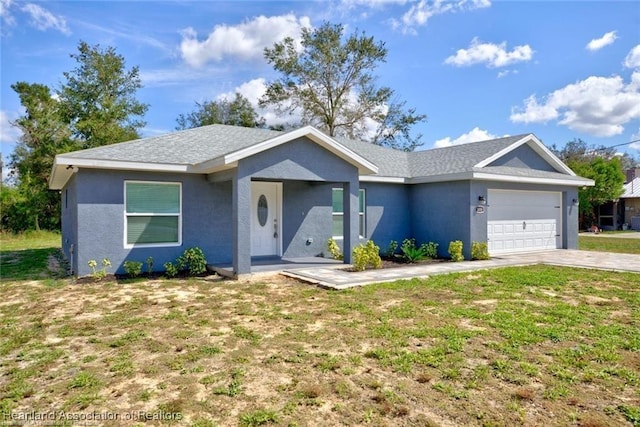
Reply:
x=265, y=218
x=522, y=221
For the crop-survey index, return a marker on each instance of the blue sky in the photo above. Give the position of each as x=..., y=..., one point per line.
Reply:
x=479, y=69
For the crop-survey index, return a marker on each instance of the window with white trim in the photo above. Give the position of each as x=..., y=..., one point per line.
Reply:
x=153, y=213
x=338, y=212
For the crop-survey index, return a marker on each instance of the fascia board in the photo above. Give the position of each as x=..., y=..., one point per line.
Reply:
x=58, y=178
x=383, y=179
x=482, y=176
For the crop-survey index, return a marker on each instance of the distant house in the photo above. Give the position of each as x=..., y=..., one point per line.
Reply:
x=243, y=193
x=630, y=201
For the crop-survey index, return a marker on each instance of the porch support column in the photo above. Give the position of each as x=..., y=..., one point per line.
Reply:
x=241, y=205
x=351, y=219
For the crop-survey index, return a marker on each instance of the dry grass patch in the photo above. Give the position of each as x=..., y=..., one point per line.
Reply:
x=536, y=345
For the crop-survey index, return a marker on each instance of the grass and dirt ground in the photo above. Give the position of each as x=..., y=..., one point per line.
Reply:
x=610, y=242
x=533, y=346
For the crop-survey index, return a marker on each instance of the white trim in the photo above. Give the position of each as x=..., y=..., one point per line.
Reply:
x=179, y=215
x=488, y=176
x=364, y=166
x=483, y=176
x=537, y=146
x=385, y=179
x=122, y=165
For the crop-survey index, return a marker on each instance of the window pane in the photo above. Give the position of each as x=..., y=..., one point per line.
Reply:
x=152, y=229
x=361, y=229
x=337, y=225
x=337, y=200
x=361, y=200
x=152, y=198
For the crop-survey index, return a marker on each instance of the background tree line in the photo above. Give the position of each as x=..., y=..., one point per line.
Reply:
x=329, y=83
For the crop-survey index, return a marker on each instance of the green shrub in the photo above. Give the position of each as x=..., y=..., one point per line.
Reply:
x=133, y=268
x=192, y=261
x=430, y=249
x=455, y=251
x=479, y=250
x=391, y=249
x=99, y=274
x=366, y=255
x=334, y=250
x=171, y=270
x=150, y=265
x=412, y=253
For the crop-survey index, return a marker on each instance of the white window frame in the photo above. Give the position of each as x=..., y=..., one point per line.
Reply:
x=362, y=214
x=128, y=245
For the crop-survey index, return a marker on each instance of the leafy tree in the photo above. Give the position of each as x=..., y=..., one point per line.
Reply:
x=600, y=164
x=95, y=106
x=44, y=134
x=237, y=112
x=331, y=82
x=98, y=98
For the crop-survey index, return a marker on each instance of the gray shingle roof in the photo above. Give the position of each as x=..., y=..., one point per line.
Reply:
x=198, y=145
x=187, y=147
x=631, y=189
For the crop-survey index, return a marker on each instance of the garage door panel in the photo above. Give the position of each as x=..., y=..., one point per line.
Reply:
x=519, y=221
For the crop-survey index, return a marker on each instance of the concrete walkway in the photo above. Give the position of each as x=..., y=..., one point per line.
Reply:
x=340, y=279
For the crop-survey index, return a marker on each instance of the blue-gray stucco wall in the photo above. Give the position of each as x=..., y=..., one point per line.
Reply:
x=206, y=219
x=523, y=157
x=440, y=213
x=306, y=218
x=388, y=215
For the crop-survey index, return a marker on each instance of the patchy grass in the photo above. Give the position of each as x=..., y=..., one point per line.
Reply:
x=536, y=345
x=609, y=244
x=25, y=256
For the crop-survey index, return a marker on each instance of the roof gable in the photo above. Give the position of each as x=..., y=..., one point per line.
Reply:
x=537, y=146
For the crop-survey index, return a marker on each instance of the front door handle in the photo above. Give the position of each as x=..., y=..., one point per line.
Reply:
x=524, y=225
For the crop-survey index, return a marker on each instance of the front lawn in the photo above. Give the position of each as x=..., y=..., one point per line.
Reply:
x=536, y=345
x=25, y=256
x=609, y=244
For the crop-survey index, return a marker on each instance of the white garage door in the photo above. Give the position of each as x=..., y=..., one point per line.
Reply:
x=522, y=221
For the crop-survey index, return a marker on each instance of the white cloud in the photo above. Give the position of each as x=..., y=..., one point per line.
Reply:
x=419, y=13
x=474, y=135
x=245, y=41
x=42, y=19
x=493, y=55
x=633, y=58
x=253, y=90
x=505, y=73
x=7, y=18
x=8, y=133
x=598, y=106
x=605, y=40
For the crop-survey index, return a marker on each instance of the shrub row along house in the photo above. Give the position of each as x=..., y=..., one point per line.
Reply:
x=240, y=193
